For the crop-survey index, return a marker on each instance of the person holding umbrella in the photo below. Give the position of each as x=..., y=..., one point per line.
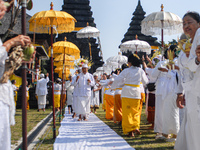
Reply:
x=131, y=94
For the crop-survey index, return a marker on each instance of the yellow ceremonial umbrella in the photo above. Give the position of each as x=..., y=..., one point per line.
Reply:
x=61, y=57
x=58, y=69
x=64, y=60
x=66, y=47
x=67, y=63
x=61, y=72
x=50, y=22
x=61, y=21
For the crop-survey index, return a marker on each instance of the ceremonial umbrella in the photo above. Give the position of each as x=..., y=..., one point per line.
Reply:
x=117, y=61
x=100, y=70
x=159, y=23
x=88, y=32
x=135, y=45
x=66, y=47
x=49, y=22
x=107, y=68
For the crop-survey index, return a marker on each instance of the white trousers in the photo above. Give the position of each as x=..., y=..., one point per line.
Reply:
x=158, y=121
x=5, y=133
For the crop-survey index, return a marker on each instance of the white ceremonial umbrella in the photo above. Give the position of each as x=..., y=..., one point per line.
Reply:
x=100, y=70
x=159, y=23
x=88, y=32
x=135, y=46
x=117, y=61
x=107, y=68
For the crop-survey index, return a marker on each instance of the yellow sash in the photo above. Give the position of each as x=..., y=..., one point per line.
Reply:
x=133, y=85
x=118, y=89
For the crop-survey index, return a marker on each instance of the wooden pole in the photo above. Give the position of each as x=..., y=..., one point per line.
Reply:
x=52, y=79
x=24, y=102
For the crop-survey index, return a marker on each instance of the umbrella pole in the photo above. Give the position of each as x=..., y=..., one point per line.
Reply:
x=90, y=53
x=162, y=38
x=52, y=79
x=61, y=99
x=24, y=102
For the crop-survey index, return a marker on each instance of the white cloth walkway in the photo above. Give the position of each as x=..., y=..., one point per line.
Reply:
x=93, y=134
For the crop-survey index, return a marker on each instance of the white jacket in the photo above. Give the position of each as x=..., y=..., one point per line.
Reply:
x=41, y=88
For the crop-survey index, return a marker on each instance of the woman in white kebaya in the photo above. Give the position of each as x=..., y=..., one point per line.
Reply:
x=189, y=135
x=70, y=89
x=94, y=104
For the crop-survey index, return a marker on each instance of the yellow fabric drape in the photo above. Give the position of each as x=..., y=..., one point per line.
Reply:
x=17, y=78
x=109, y=106
x=57, y=100
x=27, y=98
x=117, y=108
x=133, y=85
x=104, y=101
x=141, y=102
x=15, y=98
x=130, y=115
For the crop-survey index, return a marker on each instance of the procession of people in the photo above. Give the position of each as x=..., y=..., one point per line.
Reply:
x=165, y=84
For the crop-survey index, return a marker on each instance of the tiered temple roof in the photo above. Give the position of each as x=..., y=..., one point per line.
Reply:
x=135, y=28
x=81, y=11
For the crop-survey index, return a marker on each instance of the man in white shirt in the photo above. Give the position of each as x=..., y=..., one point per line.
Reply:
x=41, y=91
x=83, y=83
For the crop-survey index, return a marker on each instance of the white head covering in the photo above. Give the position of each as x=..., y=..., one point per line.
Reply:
x=41, y=75
x=59, y=80
x=79, y=68
x=95, y=74
x=159, y=57
x=84, y=66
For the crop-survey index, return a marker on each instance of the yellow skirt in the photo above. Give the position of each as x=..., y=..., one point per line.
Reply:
x=109, y=106
x=57, y=100
x=104, y=100
x=141, y=102
x=130, y=115
x=117, y=108
x=15, y=98
x=27, y=98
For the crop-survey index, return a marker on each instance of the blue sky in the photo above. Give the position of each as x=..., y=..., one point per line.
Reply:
x=112, y=17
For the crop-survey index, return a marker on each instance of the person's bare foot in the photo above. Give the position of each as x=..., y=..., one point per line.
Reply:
x=79, y=119
x=84, y=118
x=95, y=112
x=131, y=134
x=151, y=127
x=74, y=115
x=137, y=131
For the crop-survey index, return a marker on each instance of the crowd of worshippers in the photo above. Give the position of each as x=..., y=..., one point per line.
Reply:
x=168, y=83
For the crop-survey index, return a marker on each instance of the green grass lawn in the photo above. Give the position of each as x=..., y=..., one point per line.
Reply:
x=33, y=118
x=145, y=141
x=46, y=141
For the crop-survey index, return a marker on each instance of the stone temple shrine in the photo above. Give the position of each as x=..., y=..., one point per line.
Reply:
x=135, y=29
x=81, y=11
